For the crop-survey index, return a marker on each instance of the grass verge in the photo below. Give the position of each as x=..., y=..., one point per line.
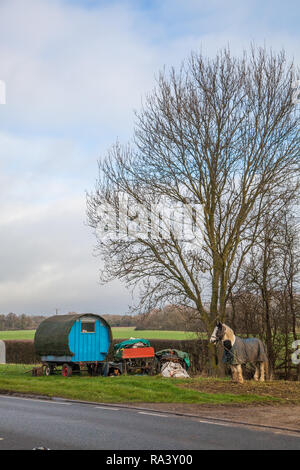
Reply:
x=129, y=389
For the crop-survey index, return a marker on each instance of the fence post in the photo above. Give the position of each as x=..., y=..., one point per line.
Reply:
x=2, y=352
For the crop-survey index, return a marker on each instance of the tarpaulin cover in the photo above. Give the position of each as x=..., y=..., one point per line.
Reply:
x=118, y=348
x=181, y=354
x=52, y=335
x=173, y=369
x=245, y=350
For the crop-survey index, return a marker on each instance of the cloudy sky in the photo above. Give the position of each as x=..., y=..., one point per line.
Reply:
x=74, y=71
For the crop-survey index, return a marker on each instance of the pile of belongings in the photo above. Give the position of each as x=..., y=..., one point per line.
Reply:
x=129, y=343
x=172, y=363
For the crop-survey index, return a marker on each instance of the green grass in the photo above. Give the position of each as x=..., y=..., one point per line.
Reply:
x=17, y=334
x=124, y=332
x=122, y=389
x=118, y=333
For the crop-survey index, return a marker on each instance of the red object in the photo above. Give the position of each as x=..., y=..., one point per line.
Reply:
x=135, y=353
x=66, y=370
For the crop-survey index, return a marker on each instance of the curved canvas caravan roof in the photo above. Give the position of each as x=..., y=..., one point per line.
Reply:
x=52, y=335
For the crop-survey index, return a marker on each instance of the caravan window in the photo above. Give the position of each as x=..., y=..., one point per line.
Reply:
x=87, y=327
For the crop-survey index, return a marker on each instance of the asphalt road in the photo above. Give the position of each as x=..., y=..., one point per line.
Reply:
x=61, y=425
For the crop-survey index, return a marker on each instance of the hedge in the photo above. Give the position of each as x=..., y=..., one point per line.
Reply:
x=23, y=352
x=20, y=352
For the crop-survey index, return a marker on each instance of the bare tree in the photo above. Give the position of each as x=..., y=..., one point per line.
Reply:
x=266, y=292
x=222, y=133
x=262, y=273
x=291, y=273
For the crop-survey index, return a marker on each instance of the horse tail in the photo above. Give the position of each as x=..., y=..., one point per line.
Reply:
x=264, y=359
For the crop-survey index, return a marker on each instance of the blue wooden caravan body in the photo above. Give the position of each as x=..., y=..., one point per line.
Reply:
x=73, y=339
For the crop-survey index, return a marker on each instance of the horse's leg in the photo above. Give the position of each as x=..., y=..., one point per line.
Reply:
x=239, y=374
x=257, y=371
x=234, y=373
x=262, y=371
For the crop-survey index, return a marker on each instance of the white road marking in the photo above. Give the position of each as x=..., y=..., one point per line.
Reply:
x=1, y=438
x=35, y=399
x=107, y=408
x=251, y=425
x=168, y=416
x=153, y=414
x=287, y=433
x=213, y=422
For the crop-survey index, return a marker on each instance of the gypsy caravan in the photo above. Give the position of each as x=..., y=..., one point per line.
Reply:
x=73, y=342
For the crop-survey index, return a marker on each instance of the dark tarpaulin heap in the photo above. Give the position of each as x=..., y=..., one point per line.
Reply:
x=245, y=350
x=167, y=353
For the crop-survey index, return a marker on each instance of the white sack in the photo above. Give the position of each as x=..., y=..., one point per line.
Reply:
x=174, y=369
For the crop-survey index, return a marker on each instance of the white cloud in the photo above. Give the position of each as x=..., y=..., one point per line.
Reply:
x=48, y=263
x=73, y=76
x=66, y=66
x=47, y=257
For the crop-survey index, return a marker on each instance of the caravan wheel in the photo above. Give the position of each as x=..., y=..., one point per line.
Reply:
x=66, y=370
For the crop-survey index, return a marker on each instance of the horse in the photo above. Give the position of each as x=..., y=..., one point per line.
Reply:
x=238, y=351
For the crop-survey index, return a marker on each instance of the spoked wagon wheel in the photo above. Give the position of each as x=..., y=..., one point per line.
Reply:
x=66, y=370
x=48, y=370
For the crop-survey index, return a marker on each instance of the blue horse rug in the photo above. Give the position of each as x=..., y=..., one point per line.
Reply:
x=244, y=350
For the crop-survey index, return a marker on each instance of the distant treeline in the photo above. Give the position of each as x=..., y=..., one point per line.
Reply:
x=120, y=320
x=171, y=317
x=11, y=321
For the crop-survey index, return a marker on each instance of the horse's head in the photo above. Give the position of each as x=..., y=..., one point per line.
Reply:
x=218, y=333
x=222, y=333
